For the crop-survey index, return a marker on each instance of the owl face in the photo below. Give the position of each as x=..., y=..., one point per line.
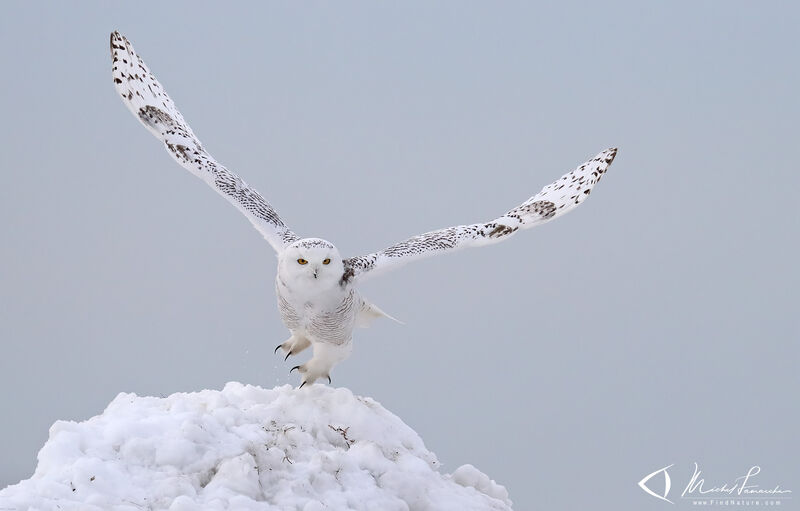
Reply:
x=312, y=261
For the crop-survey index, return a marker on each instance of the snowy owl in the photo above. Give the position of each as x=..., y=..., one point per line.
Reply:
x=315, y=286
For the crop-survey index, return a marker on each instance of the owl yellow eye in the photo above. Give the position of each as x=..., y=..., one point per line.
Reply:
x=326, y=261
x=302, y=261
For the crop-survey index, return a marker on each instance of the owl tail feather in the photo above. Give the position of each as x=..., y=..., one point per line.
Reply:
x=369, y=312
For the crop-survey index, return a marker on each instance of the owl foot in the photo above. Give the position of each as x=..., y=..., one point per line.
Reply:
x=310, y=373
x=293, y=346
x=326, y=355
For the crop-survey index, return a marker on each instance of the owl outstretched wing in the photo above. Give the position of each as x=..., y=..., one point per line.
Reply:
x=149, y=102
x=553, y=201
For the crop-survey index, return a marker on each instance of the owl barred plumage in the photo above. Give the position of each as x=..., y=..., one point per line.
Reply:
x=553, y=201
x=149, y=102
x=317, y=299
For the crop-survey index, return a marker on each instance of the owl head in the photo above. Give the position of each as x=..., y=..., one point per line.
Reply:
x=312, y=261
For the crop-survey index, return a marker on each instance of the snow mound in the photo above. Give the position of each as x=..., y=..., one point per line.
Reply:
x=246, y=448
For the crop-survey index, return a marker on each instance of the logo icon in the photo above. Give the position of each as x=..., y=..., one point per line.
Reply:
x=667, y=484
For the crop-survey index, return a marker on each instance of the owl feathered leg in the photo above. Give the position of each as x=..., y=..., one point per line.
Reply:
x=293, y=345
x=326, y=355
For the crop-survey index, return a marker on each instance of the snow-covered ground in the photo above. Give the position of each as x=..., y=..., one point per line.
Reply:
x=243, y=448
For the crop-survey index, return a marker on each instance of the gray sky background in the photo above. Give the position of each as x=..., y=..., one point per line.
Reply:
x=656, y=324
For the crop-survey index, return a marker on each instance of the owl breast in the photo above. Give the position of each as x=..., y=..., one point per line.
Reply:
x=324, y=318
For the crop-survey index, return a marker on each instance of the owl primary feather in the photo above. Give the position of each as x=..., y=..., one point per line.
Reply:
x=316, y=288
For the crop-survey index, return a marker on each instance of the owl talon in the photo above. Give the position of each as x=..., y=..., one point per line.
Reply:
x=295, y=367
x=304, y=382
x=287, y=356
x=293, y=345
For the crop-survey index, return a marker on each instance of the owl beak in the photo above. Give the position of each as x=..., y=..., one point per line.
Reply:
x=315, y=273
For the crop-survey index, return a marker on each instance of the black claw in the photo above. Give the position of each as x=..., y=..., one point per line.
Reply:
x=301, y=385
x=287, y=356
x=329, y=380
x=292, y=369
x=277, y=348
